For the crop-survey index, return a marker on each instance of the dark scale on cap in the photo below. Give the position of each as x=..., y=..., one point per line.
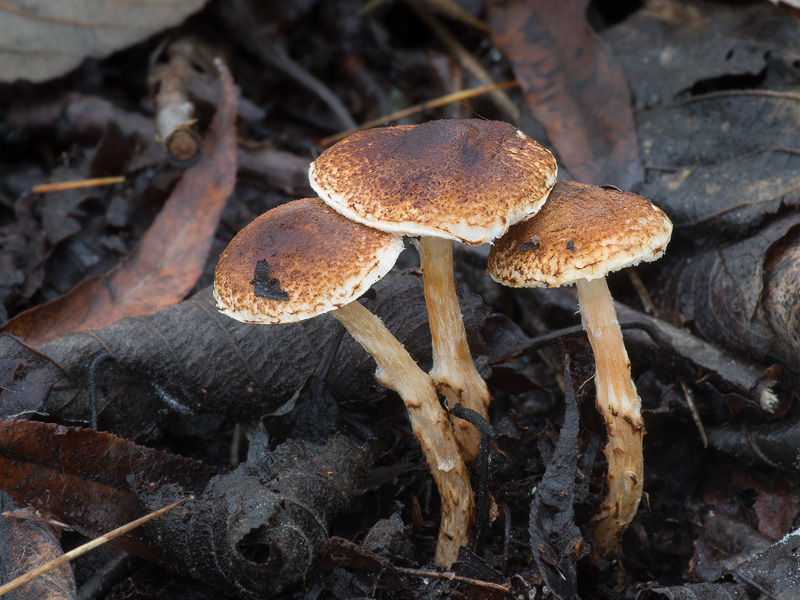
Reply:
x=531, y=245
x=263, y=286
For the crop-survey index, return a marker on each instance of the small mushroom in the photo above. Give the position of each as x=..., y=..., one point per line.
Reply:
x=464, y=180
x=583, y=233
x=303, y=259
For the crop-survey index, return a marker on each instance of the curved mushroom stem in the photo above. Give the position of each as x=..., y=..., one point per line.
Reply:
x=620, y=406
x=398, y=371
x=453, y=372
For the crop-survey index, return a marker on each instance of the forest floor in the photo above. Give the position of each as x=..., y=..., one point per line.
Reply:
x=123, y=390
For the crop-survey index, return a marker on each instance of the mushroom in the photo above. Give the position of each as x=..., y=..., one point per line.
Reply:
x=303, y=259
x=464, y=180
x=581, y=234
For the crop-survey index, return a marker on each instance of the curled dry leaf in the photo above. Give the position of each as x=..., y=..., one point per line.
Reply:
x=556, y=541
x=673, y=49
x=261, y=528
x=715, y=96
x=255, y=530
x=741, y=294
x=43, y=39
x=774, y=573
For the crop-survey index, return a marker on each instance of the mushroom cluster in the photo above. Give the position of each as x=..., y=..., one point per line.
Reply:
x=471, y=181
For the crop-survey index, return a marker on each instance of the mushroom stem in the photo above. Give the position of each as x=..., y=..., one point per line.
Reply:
x=620, y=406
x=453, y=372
x=398, y=371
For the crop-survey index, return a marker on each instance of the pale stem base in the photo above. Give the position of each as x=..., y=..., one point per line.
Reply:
x=620, y=406
x=397, y=371
x=453, y=372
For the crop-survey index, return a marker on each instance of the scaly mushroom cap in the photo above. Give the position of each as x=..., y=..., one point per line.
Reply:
x=464, y=180
x=299, y=260
x=582, y=232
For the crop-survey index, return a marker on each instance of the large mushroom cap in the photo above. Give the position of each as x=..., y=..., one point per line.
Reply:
x=299, y=260
x=464, y=180
x=582, y=232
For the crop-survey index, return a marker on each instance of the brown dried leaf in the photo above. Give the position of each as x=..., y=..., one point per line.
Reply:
x=28, y=544
x=573, y=86
x=777, y=502
x=170, y=256
x=43, y=39
x=83, y=476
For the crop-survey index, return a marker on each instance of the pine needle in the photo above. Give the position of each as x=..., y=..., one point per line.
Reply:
x=91, y=545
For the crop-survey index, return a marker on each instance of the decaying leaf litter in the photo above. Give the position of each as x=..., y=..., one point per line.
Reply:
x=713, y=90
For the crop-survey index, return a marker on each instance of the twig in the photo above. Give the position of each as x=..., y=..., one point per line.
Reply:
x=687, y=393
x=44, y=188
x=435, y=103
x=264, y=45
x=735, y=93
x=641, y=291
x=450, y=576
x=382, y=564
x=577, y=331
x=175, y=121
x=456, y=12
x=729, y=373
x=500, y=98
x=80, y=550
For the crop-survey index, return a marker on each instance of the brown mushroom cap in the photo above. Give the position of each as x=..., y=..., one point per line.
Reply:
x=582, y=232
x=299, y=260
x=464, y=180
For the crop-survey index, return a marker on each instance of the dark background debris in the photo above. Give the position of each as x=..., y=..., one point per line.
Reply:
x=692, y=104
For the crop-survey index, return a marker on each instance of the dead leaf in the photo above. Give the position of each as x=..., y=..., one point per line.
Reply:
x=170, y=256
x=777, y=502
x=672, y=49
x=773, y=573
x=192, y=357
x=715, y=107
x=573, y=86
x=83, y=476
x=739, y=294
x=43, y=39
x=28, y=544
x=770, y=445
x=556, y=541
x=725, y=542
